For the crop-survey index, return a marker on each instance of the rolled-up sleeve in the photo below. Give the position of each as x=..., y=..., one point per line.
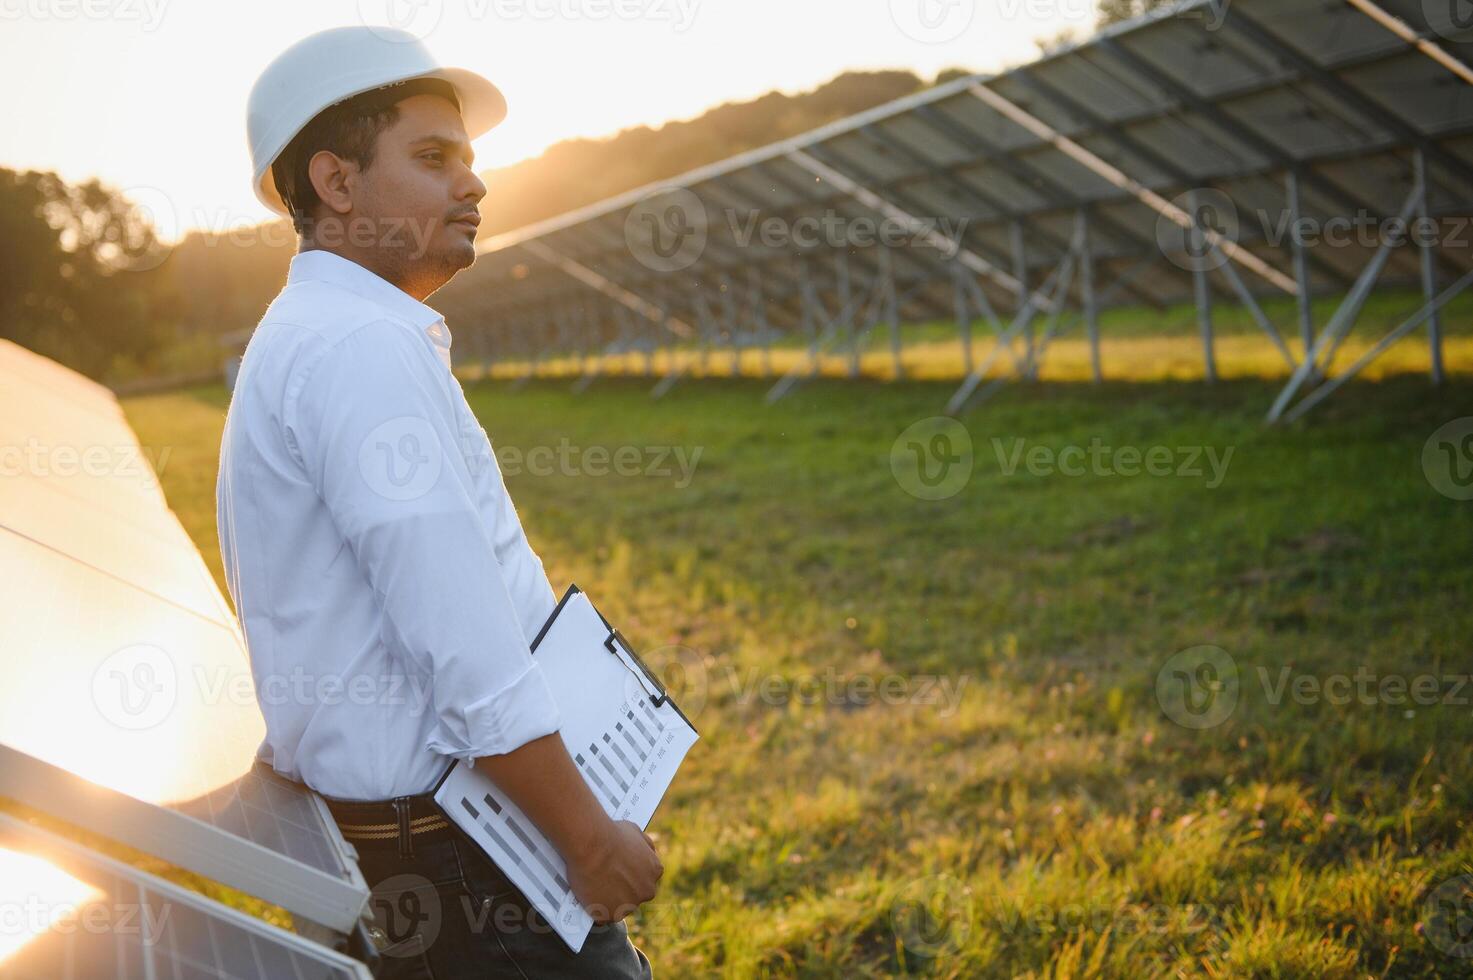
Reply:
x=369, y=420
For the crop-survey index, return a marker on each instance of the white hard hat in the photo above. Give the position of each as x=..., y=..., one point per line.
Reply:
x=325, y=68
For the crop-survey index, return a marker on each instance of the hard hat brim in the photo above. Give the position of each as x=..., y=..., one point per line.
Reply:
x=482, y=108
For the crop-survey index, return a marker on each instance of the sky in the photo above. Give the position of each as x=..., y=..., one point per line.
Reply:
x=150, y=95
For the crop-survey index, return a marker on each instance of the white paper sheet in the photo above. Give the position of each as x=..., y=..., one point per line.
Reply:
x=626, y=747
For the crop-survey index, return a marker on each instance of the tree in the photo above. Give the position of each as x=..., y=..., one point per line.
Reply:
x=79, y=274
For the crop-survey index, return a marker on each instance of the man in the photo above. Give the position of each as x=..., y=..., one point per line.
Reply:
x=383, y=580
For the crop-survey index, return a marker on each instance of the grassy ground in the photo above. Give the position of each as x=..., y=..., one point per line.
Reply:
x=937, y=734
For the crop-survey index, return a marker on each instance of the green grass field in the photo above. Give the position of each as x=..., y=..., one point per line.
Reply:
x=932, y=738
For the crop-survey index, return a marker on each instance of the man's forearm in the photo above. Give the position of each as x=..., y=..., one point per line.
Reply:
x=542, y=780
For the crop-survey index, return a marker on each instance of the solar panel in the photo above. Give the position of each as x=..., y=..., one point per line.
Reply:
x=131, y=924
x=1192, y=96
x=265, y=809
x=127, y=683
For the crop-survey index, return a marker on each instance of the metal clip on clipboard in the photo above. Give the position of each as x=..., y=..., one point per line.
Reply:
x=616, y=643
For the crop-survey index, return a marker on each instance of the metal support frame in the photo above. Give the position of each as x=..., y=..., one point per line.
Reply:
x=1320, y=358
x=841, y=324
x=930, y=236
x=1303, y=301
x=625, y=298
x=892, y=313
x=1087, y=293
x=1428, y=253
x=1054, y=288
x=1406, y=32
x=1139, y=191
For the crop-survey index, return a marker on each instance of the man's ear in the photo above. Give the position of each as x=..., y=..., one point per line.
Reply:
x=332, y=179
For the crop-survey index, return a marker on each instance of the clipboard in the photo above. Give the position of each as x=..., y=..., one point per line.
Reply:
x=617, y=644
x=625, y=733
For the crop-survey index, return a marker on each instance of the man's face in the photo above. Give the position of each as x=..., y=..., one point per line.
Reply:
x=420, y=192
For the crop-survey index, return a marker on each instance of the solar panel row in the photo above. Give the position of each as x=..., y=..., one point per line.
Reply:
x=1247, y=104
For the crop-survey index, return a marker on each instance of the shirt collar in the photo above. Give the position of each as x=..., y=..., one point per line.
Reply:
x=319, y=265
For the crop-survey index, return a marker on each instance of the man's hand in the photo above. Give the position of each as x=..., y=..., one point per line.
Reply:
x=617, y=873
x=612, y=865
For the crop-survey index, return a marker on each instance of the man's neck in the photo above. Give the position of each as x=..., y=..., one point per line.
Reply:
x=374, y=261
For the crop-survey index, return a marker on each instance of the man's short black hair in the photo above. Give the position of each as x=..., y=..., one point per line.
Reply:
x=348, y=129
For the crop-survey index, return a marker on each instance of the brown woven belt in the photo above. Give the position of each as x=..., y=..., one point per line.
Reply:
x=388, y=831
x=402, y=818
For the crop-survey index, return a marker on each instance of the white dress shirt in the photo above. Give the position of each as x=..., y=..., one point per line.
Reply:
x=384, y=584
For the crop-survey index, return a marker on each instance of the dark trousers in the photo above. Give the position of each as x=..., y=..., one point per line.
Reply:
x=447, y=912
